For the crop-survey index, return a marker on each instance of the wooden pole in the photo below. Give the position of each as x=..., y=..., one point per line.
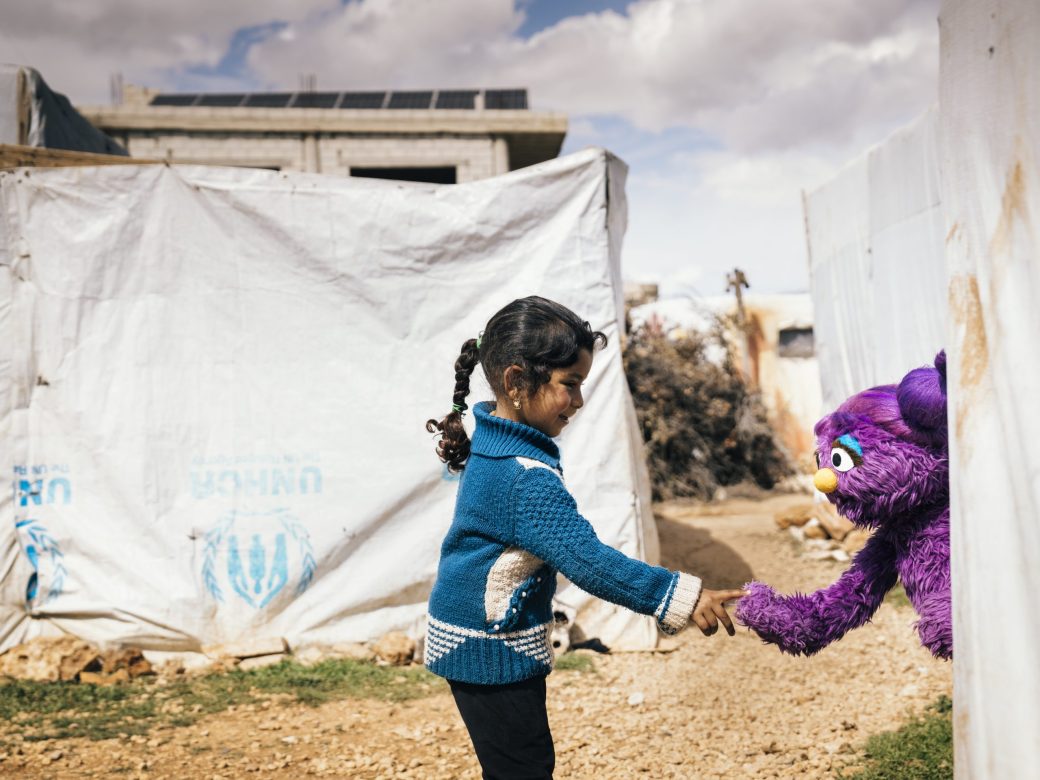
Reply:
x=737, y=281
x=17, y=156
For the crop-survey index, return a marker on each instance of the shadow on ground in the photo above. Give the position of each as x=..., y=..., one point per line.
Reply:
x=693, y=550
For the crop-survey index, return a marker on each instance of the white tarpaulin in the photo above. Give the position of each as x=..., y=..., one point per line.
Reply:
x=875, y=237
x=214, y=384
x=990, y=153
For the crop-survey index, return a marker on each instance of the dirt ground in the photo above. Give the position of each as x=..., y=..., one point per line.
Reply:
x=716, y=707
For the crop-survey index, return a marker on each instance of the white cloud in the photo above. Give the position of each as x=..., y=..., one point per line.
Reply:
x=706, y=214
x=757, y=75
x=725, y=109
x=77, y=45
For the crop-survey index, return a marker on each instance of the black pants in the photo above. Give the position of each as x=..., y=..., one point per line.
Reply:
x=509, y=728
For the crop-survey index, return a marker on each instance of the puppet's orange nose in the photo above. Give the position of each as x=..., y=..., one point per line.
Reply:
x=826, y=481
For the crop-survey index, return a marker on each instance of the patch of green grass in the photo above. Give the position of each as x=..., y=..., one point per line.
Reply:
x=920, y=750
x=897, y=596
x=61, y=710
x=575, y=662
x=339, y=679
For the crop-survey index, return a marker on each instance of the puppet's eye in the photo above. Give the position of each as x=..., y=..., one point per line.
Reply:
x=841, y=459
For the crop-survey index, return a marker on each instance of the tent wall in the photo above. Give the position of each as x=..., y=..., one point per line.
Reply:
x=990, y=152
x=217, y=380
x=875, y=236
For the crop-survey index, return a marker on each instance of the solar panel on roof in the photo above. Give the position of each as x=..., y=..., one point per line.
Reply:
x=315, y=100
x=362, y=100
x=456, y=98
x=268, y=99
x=505, y=99
x=220, y=100
x=410, y=99
x=173, y=100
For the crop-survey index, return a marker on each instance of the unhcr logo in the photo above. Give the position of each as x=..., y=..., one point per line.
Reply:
x=47, y=560
x=254, y=556
x=36, y=485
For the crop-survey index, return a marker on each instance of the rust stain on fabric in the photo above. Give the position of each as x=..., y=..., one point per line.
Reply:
x=966, y=311
x=1012, y=206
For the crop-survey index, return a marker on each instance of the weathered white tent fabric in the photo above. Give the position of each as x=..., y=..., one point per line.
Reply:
x=990, y=145
x=875, y=237
x=214, y=384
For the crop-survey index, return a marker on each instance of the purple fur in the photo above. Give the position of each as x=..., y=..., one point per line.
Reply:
x=901, y=490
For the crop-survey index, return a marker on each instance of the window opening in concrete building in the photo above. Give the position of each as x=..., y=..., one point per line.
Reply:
x=796, y=343
x=444, y=175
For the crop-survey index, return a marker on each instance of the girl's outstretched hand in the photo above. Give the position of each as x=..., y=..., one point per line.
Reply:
x=710, y=610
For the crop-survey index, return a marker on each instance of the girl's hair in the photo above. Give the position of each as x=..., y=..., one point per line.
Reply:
x=536, y=334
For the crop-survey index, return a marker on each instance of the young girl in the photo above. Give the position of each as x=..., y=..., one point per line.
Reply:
x=515, y=527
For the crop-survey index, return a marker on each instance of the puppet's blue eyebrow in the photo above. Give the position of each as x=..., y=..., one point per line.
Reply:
x=852, y=443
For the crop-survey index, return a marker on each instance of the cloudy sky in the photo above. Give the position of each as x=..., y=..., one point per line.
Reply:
x=724, y=109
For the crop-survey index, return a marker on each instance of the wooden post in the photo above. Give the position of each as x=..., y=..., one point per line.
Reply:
x=737, y=281
x=17, y=156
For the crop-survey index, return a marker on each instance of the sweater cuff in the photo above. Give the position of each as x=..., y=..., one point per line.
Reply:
x=675, y=609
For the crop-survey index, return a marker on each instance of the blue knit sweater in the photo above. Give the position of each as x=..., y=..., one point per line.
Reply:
x=515, y=526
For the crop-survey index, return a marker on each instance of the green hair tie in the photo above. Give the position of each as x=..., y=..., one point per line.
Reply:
x=456, y=408
x=480, y=338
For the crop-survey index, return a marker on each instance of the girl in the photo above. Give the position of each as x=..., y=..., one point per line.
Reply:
x=515, y=527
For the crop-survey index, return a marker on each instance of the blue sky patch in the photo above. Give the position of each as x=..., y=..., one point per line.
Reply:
x=540, y=14
x=234, y=63
x=637, y=147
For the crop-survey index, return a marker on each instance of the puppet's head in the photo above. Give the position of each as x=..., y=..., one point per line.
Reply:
x=883, y=453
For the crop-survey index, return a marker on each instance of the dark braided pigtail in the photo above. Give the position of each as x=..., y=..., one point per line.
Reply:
x=453, y=447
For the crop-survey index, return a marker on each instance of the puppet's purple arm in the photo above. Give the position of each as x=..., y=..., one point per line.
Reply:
x=803, y=624
x=926, y=577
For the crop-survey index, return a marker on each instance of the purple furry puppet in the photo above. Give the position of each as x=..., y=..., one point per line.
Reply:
x=884, y=465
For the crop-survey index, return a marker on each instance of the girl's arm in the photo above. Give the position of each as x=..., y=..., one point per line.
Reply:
x=803, y=624
x=547, y=524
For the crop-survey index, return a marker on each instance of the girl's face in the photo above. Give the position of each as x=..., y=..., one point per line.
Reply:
x=555, y=402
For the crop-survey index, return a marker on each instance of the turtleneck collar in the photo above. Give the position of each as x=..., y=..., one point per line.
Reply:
x=498, y=437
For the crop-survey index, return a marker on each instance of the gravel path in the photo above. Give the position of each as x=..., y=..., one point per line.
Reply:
x=716, y=707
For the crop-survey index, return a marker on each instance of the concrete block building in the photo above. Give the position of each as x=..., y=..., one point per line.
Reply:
x=441, y=136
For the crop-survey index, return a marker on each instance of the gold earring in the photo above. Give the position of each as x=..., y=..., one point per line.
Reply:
x=516, y=403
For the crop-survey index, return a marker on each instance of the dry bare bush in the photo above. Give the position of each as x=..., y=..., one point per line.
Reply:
x=703, y=426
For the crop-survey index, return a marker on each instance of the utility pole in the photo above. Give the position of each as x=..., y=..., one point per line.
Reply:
x=737, y=281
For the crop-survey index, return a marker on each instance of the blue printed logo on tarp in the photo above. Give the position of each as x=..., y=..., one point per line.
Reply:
x=47, y=560
x=254, y=555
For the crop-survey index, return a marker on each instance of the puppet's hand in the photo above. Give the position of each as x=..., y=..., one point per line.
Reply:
x=760, y=608
x=936, y=624
x=786, y=621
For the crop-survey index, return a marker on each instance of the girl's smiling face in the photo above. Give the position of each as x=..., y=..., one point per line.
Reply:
x=555, y=402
